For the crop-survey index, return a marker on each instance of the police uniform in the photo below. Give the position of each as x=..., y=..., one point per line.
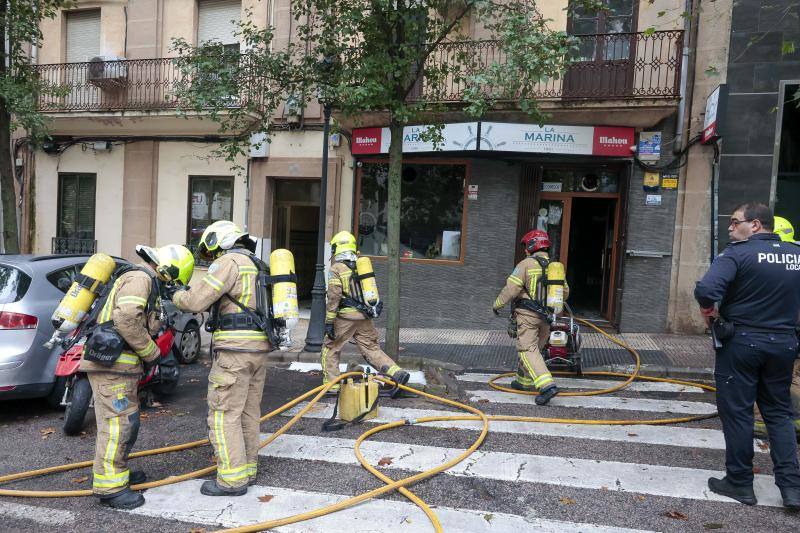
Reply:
x=349, y=323
x=757, y=285
x=533, y=331
x=115, y=388
x=236, y=380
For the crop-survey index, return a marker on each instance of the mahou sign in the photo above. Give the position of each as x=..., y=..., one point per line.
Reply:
x=608, y=141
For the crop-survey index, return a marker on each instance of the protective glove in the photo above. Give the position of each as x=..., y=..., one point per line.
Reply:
x=168, y=290
x=149, y=364
x=329, y=332
x=496, y=311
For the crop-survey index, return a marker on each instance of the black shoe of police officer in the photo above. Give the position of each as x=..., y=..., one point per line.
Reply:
x=791, y=498
x=210, y=488
x=124, y=499
x=723, y=487
x=137, y=477
x=545, y=395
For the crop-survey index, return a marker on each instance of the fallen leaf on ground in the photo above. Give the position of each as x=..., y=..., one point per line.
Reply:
x=385, y=461
x=265, y=498
x=677, y=515
x=488, y=517
x=567, y=501
x=81, y=479
x=46, y=432
x=633, y=434
x=713, y=525
x=641, y=498
x=197, y=530
x=483, y=400
x=603, y=488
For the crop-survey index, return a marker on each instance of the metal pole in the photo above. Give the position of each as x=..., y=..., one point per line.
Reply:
x=316, y=326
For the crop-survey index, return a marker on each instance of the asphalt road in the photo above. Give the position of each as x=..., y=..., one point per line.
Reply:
x=528, y=480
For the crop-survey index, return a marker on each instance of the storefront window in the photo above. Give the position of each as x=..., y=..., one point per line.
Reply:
x=431, y=210
x=572, y=180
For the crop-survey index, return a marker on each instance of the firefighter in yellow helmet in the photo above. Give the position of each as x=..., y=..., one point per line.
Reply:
x=119, y=349
x=785, y=230
x=525, y=289
x=240, y=343
x=346, y=317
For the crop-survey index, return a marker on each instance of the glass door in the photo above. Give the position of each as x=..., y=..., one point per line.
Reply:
x=553, y=217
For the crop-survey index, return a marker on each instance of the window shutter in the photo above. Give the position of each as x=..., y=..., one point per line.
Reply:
x=218, y=20
x=77, y=206
x=86, y=204
x=83, y=36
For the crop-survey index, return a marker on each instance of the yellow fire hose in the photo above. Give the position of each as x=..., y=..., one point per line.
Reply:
x=390, y=484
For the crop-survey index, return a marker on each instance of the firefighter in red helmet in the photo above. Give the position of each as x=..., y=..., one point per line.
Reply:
x=526, y=291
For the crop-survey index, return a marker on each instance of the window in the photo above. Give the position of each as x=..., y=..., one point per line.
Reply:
x=431, y=210
x=83, y=35
x=619, y=17
x=210, y=200
x=62, y=279
x=14, y=284
x=76, y=206
x=218, y=20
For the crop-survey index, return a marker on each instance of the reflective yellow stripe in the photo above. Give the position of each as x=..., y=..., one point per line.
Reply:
x=233, y=474
x=330, y=314
x=246, y=289
x=240, y=335
x=515, y=280
x=334, y=281
x=248, y=270
x=105, y=314
x=128, y=359
x=543, y=379
x=111, y=446
x=110, y=482
x=349, y=310
x=222, y=446
x=392, y=370
x=213, y=282
x=135, y=300
x=147, y=350
x=497, y=303
x=526, y=364
x=252, y=469
x=323, y=361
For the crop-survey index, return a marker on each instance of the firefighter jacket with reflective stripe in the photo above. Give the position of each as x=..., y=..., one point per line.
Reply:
x=525, y=282
x=234, y=274
x=126, y=306
x=340, y=280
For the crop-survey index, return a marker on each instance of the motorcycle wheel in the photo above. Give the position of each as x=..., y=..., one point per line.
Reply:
x=78, y=400
x=187, y=348
x=57, y=393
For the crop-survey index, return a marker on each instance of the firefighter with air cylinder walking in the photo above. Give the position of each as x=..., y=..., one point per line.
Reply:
x=243, y=326
x=537, y=289
x=352, y=303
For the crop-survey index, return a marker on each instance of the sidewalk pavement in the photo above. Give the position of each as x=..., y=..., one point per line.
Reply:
x=493, y=351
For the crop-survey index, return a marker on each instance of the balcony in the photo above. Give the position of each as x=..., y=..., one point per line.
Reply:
x=68, y=246
x=605, y=66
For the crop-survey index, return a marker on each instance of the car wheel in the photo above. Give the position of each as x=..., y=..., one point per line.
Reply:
x=78, y=400
x=187, y=345
x=57, y=394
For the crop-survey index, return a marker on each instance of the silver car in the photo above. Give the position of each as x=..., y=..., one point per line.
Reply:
x=30, y=289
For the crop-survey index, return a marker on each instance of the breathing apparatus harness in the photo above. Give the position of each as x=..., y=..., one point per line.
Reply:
x=104, y=344
x=259, y=319
x=533, y=305
x=356, y=298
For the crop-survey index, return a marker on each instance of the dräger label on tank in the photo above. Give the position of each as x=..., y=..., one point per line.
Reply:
x=792, y=261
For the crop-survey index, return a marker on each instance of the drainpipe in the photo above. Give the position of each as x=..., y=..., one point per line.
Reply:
x=689, y=38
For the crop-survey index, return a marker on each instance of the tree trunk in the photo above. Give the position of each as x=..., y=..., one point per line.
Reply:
x=8, y=196
x=393, y=239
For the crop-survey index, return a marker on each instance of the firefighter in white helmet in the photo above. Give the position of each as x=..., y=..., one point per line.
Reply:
x=117, y=352
x=347, y=317
x=240, y=342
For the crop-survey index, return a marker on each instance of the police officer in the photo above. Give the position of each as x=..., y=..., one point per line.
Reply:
x=754, y=287
x=525, y=289
x=236, y=380
x=343, y=322
x=131, y=311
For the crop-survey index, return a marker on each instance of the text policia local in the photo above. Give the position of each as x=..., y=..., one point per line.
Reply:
x=792, y=261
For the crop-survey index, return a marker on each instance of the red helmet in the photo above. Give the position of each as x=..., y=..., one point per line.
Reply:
x=535, y=240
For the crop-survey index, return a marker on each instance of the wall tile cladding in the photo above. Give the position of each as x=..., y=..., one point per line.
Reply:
x=461, y=296
x=645, y=284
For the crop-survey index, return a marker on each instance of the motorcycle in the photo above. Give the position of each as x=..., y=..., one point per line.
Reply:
x=162, y=378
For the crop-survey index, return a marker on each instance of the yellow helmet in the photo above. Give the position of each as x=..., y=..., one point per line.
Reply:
x=172, y=262
x=344, y=241
x=218, y=237
x=784, y=229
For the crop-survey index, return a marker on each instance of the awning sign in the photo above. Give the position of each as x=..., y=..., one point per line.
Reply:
x=611, y=141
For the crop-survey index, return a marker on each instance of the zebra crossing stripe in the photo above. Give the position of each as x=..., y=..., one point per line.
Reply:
x=661, y=435
x=599, y=402
x=41, y=515
x=590, y=384
x=655, y=480
x=417, y=376
x=183, y=502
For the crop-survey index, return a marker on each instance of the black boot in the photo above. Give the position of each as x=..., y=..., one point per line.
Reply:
x=124, y=499
x=516, y=385
x=137, y=477
x=740, y=493
x=545, y=395
x=791, y=498
x=210, y=488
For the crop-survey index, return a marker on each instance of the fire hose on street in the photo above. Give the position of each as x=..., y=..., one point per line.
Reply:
x=389, y=484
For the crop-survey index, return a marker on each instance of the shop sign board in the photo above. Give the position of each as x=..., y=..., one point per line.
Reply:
x=669, y=181
x=652, y=199
x=649, y=148
x=715, y=111
x=650, y=181
x=611, y=141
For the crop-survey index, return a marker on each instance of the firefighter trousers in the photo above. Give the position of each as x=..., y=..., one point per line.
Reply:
x=116, y=410
x=235, y=387
x=533, y=333
x=366, y=337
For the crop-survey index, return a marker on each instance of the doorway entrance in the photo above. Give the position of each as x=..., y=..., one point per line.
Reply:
x=582, y=220
x=295, y=227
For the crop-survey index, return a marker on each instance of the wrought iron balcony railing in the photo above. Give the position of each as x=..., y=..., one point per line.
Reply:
x=67, y=246
x=613, y=65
